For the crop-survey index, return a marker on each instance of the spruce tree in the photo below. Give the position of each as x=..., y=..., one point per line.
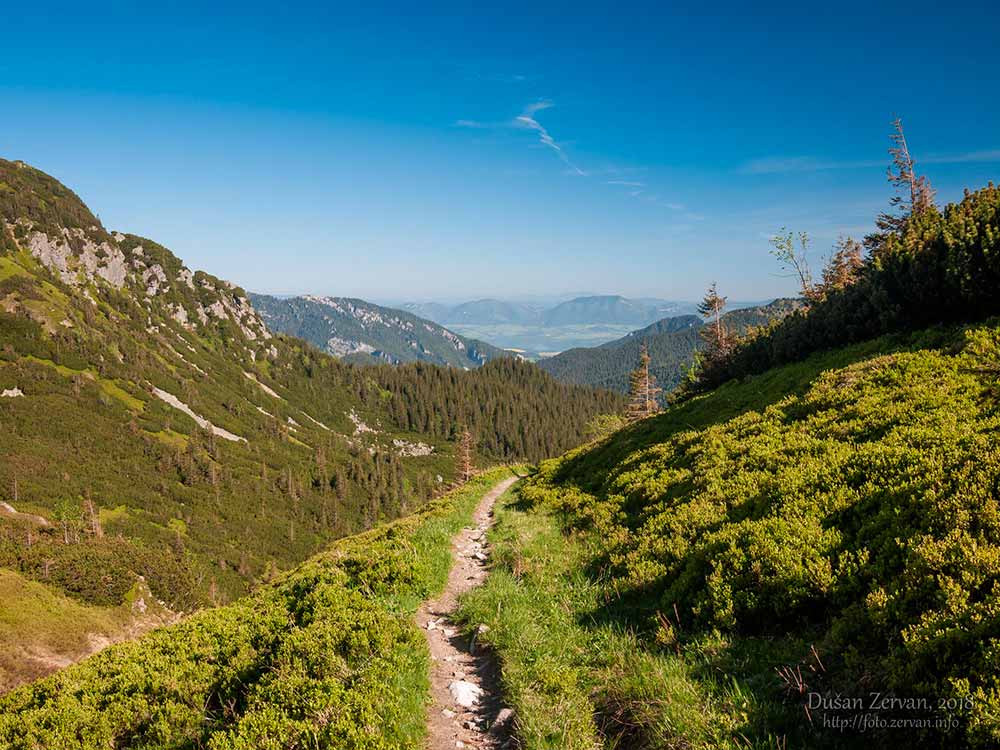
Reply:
x=714, y=333
x=643, y=397
x=914, y=194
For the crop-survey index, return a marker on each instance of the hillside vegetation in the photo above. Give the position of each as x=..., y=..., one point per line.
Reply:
x=158, y=428
x=845, y=504
x=516, y=410
x=939, y=267
x=153, y=425
x=326, y=655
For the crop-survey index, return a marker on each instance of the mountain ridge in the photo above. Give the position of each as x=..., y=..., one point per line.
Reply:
x=363, y=332
x=591, y=309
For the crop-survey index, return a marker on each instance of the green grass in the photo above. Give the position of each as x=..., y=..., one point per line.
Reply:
x=107, y=386
x=171, y=439
x=9, y=268
x=113, y=515
x=325, y=656
x=579, y=681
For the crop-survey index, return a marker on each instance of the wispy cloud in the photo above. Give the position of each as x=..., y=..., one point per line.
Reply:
x=785, y=164
x=538, y=106
x=513, y=78
x=969, y=156
x=527, y=120
x=780, y=164
x=638, y=190
x=610, y=175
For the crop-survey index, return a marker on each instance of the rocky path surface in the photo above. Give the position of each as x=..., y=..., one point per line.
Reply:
x=467, y=711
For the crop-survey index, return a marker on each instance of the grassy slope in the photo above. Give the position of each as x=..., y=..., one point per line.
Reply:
x=846, y=502
x=45, y=628
x=89, y=426
x=326, y=656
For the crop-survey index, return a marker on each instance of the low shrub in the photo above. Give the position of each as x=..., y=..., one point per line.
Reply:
x=861, y=509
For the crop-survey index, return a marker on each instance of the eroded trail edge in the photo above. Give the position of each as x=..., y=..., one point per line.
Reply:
x=466, y=707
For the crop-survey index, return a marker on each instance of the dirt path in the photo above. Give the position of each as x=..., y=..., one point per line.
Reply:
x=466, y=710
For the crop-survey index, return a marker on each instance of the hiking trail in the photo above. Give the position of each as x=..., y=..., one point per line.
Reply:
x=466, y=710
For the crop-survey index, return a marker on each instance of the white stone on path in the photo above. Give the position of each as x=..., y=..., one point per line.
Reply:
x=466, y=694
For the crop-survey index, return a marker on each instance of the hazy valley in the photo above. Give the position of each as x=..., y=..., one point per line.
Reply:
x=541, y=330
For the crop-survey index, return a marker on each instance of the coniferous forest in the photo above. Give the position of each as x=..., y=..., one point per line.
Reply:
x=514, y=410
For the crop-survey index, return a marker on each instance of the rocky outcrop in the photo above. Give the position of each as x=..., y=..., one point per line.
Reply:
x=80, y=260
x=405, y=448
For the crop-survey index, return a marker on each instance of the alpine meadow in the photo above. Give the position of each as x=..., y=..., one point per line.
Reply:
x=622, y=377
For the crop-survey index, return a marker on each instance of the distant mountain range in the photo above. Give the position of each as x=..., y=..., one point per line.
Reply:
x=539, y=329
x=591, y=310
x=492, y=311
x=672, y=344
x=362, y=332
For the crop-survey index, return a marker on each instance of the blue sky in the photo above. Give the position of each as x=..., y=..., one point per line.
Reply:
x=457, y=151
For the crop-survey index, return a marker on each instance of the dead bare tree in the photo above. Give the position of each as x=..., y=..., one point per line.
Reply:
x=905, y=177
x=93, y=516
x=842, y=267
x=464, y=458
x=795, y=261
x=914, y=194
